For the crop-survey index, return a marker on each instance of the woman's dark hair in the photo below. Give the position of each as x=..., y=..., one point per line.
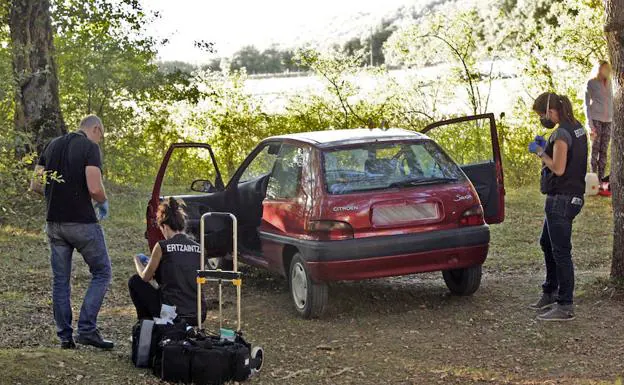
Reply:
x=171, y=213
x=560, y=103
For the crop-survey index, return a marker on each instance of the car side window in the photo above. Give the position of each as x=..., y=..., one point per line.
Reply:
x=286, y=178
x=262, y=164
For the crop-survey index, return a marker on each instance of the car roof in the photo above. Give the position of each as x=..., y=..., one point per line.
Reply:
x=340, y=137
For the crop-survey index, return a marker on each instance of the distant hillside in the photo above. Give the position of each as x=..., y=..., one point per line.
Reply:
x=339, y=30
x=357, y=32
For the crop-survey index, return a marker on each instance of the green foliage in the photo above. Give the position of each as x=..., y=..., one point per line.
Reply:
x=456, y=40
x=107, y=66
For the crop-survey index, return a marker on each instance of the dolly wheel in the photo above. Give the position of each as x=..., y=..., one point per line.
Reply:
x=257, y=358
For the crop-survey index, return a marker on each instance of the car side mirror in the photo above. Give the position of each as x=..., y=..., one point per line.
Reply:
x=202, y=186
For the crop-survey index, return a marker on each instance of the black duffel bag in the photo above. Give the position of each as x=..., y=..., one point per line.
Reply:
x=204, y=360
x=146, y=336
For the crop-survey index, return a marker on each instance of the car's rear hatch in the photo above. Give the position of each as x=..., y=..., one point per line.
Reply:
x=400, y=211
x=394, y=188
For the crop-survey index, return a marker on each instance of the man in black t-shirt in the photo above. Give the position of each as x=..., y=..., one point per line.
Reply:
x=69, y=174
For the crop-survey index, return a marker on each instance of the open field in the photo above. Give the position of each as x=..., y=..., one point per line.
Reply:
x=404, y=330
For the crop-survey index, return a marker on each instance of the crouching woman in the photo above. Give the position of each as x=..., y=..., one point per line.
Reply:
x=173, y=264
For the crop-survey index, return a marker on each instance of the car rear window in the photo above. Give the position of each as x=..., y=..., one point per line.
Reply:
x=378, y=166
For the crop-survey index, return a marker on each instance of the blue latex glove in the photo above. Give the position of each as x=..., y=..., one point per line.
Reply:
x=541, y=141
x=533, y=147
x=101, y=210
x=143, y=258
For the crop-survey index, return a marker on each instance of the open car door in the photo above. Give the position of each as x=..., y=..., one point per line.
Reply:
x=188, y=172
x=472, y=141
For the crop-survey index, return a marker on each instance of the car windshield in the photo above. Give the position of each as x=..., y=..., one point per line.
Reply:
x=378, y=166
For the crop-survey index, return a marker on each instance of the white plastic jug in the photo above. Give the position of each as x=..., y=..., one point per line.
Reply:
x=592, y=184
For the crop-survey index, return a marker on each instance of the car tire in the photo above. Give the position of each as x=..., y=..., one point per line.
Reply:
x=221, y=263
x=463, y=281
x=309, y=298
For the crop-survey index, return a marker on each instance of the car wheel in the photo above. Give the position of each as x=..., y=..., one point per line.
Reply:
x=463, y=281
x=310, y=298
x=220, y=263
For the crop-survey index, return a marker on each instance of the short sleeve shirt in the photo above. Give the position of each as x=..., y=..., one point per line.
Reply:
x=561, y=134
x=67, y=194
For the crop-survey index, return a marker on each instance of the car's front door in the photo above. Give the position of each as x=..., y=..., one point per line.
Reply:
x=472, y=141
x=188, y=172
x=250, y=182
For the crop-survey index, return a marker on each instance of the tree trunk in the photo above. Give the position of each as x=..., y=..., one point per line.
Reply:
x=614, y=29
x=37, y=107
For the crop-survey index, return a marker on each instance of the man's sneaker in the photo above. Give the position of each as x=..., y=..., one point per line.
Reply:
x=68, y=344
x=558, y=313
x=547, y=300
x=94, y=339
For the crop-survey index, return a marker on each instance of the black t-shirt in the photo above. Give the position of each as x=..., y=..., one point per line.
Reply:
x=572, y=182
x=69, y=200
x=177, y=273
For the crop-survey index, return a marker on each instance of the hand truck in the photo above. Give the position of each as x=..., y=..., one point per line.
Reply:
x=221, y=276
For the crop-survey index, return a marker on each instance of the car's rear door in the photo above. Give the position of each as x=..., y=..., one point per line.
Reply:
x=472, y=141
x=182, y=164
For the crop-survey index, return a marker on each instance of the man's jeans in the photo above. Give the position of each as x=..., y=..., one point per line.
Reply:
x=556, y=242
x=88, y=239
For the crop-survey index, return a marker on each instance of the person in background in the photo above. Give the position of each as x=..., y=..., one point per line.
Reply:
x=564, y=165
x=174, y=263
x=599, y=112
x=69, y=174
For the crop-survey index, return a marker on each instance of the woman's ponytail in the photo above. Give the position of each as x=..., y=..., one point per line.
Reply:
x=171, y=213
x=566, y=113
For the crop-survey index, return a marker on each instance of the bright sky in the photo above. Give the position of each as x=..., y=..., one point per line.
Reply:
x=231, y=24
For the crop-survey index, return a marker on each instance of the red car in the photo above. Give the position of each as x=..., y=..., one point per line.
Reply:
x=354, y=204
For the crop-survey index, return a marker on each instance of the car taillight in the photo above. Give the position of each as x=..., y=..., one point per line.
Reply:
x=472, y=217
x=330, y=230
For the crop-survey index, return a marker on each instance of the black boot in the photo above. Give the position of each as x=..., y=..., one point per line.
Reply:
x=94, y=339
x=68, y=344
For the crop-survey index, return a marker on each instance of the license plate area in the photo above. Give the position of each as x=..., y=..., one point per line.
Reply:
x=392, y=214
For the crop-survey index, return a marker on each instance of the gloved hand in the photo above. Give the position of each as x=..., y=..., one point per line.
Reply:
x=534, y=147
x=541, y=141
x=143, y=258
x=102, y=210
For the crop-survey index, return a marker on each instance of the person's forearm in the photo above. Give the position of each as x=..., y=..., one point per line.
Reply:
x=99, y=194
x=550, y=163
x=139, y=266
x=587, y=113
x=36, y=184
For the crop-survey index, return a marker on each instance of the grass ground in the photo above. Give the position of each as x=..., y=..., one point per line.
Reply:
x=405, y=330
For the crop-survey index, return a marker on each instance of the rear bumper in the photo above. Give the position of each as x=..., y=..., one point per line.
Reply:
x=385, y=256
x=395, y=265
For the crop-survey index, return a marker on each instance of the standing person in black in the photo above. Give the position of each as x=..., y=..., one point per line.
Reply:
x=173, y=264
x=69, y=174
x=564, y=165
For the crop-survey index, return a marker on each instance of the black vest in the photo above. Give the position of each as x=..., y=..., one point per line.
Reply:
x=572, y=182
x=177, y=274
